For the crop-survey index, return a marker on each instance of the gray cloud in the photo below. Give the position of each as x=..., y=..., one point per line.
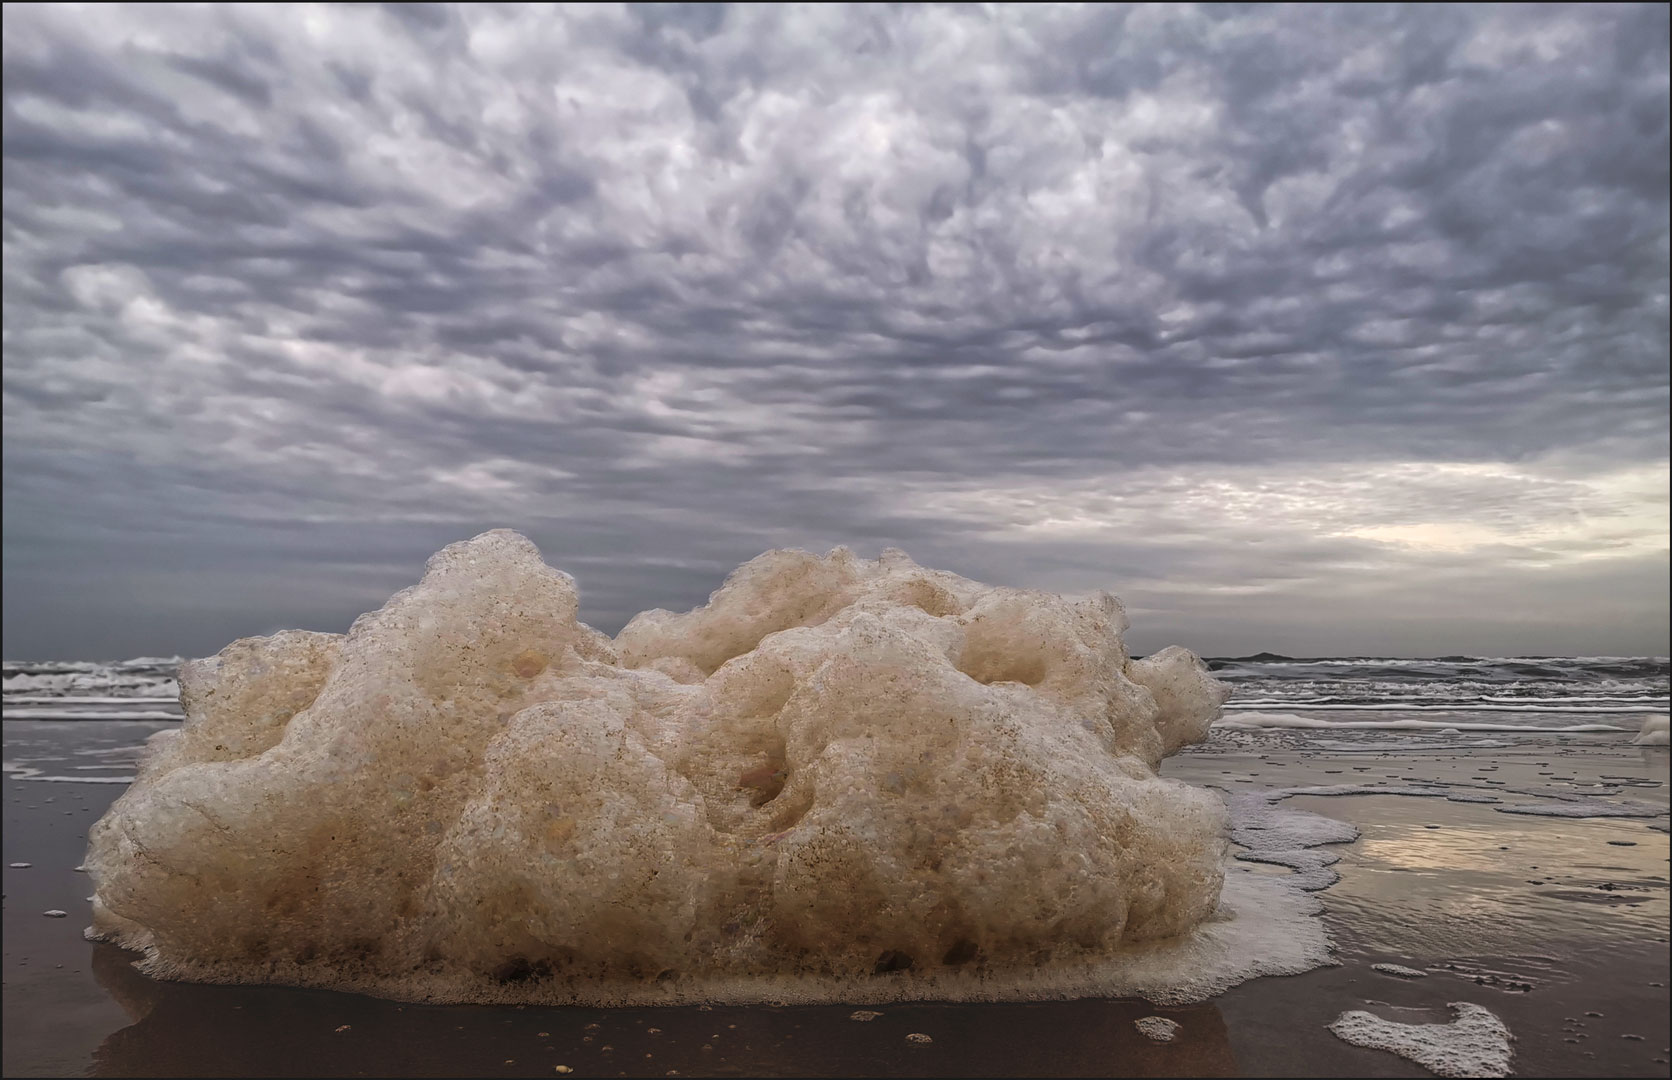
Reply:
x=1297, y=327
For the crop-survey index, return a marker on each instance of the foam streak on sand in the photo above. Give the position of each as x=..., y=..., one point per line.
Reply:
x=839, y=779
x=1476, y=1043
x=1285, y=837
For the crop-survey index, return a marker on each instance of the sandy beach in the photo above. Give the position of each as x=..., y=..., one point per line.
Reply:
x=1558, y=925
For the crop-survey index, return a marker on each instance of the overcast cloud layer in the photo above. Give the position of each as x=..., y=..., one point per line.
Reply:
x=1316, y=330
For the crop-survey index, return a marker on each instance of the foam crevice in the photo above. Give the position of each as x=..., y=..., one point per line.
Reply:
x=838, y=780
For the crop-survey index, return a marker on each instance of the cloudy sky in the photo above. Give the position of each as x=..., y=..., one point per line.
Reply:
x=1316, y=330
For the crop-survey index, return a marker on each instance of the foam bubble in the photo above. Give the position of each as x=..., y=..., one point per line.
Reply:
x=839, y=779
x=1476, y=1043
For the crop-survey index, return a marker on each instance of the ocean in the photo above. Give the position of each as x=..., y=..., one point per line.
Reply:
x=1542, y=693
x=1350, y=697
x=144, y=688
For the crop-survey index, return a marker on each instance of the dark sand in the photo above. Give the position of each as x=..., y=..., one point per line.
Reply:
x=1541, y=920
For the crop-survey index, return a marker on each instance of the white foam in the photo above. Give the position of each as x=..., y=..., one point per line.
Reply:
x=87, y=714
x=1400, y=970
x=1404, y=746
x=1290, y=720
x=1586, y=808
x=88, y=677
x=1285, y=837
x=1158, y=1028
x=835, y=770
x=1438, y=706
x=49, y=699
x=1599, y=699
x=1654, y=732
x=1476, y=1043
x=1450, y=696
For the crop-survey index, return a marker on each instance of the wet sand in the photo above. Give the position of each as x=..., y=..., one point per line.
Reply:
x=1557, y=925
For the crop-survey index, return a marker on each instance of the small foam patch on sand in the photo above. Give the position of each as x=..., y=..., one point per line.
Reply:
x=1158, y=1028
x=1284, y=837
x=1476, y=1043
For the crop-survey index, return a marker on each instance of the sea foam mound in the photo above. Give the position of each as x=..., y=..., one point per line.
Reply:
x=838, y=780
x=1654, y=732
